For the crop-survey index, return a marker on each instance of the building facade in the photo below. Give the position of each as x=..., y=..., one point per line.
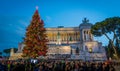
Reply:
x=72, y=43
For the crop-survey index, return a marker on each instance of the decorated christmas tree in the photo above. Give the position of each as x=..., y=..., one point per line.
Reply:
x=35, y=39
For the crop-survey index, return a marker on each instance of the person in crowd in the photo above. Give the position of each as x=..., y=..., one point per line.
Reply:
x=56, y=65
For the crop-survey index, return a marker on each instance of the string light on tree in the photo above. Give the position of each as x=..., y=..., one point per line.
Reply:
x=35, y=39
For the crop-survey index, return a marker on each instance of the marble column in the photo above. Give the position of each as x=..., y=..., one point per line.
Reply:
x=83, y=37
x=89, y=36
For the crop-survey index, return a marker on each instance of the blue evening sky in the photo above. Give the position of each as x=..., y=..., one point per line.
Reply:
x=15, y=16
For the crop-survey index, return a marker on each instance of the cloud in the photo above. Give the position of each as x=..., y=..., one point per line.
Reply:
x=48, y=19
x=21, y=28
x=23, y=23
x=20, y=31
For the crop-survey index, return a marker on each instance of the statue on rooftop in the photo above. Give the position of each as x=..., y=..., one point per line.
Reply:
x=85, y=20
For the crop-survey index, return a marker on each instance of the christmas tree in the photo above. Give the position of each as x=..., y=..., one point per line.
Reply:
x=35, y=40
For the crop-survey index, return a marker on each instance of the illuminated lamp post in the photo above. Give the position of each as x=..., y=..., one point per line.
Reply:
x=90, y=51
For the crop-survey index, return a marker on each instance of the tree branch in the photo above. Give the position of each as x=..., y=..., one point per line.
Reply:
x=115, y=35
x=107, y=36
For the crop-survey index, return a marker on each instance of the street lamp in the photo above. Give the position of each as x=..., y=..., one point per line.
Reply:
x=90, y=51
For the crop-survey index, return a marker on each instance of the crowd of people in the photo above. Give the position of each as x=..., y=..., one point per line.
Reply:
x=56, y=65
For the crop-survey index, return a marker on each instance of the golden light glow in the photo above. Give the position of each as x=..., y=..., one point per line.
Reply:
x=90, y=49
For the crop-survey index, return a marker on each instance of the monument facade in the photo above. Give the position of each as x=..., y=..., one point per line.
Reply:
x=72, y=43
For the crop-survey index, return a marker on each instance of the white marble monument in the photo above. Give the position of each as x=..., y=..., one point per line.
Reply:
x=73, y=42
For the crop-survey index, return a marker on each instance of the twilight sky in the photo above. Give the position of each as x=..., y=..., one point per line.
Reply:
x=15, y=16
